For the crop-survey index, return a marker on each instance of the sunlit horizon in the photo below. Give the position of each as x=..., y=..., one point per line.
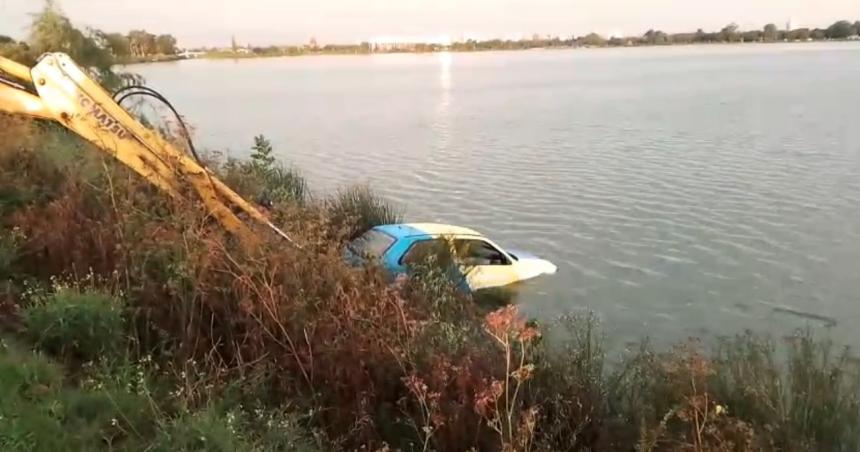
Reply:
x=267, y=22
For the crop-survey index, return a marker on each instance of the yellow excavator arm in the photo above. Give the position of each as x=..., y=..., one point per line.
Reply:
x=58, y=89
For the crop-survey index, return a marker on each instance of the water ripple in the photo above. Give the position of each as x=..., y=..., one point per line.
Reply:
x=670, y=192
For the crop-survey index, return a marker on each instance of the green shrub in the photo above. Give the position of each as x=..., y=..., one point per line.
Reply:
x=570, y=384
x=233, y=430
x=79, y=325
x=39, y=413
x=358, y=209
x=93, y=419
x=276, y=430
x=23, y=373
x=747, y=392
x=808, y=399
x=27, y=175
x=12, y=198
x=205, y=431
x=8, y=254
x=25, y=380
x=369, y=362
x=262, y=154
x=263, y=177
x=284, y=184
x=279, y=184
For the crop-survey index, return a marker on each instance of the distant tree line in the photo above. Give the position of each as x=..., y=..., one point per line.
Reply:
x=731, y=33
x=138, y=44
x=251, y=51
x=99, y=50
x=770, y=33
x=51, y=31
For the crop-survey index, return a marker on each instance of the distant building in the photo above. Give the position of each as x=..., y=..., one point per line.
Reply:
x=514, y=37
x=191, y=54
x=406, y=43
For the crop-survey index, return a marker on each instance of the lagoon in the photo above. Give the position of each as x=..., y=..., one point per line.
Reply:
x=682, y=191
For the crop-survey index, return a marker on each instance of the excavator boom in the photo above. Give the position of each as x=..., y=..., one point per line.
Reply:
x=57, y=89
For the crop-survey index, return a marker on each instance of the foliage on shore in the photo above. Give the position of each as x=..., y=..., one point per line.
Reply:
x=95, y=50
x=99, y=50
x=130, y=321
x=731, y=33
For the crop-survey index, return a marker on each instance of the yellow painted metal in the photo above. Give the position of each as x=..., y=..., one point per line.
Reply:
x=15, y=69
x=17, y=101
x=69, y=96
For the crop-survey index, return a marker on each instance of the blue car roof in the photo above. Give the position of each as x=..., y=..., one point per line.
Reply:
x=400, y=231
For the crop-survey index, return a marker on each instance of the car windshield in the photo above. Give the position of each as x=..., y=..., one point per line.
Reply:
x=372, y=244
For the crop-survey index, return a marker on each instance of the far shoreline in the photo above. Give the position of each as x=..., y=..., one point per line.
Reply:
x=214, y=56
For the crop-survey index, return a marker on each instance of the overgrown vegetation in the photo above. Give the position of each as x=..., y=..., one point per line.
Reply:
x=132, y=322
x=731, y=33
x=95, y=50
x=99, y=50
x=271, y=182
x=78, y=325
x=44, y=407
x=359, y=209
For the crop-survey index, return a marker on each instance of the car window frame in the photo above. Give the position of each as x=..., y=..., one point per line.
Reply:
x=383, y=253
x=401, y=260
x=509, y=260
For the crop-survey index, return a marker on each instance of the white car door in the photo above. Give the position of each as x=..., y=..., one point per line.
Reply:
x=484, y=264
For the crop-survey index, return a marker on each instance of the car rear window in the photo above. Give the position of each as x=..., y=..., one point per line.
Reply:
x=372, y=243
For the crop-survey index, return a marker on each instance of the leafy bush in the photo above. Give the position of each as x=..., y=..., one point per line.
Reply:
x=808, y=399
x=80, y=325
x=25, y=380
x=358, y=209
x=280, y=183
x=8, y=253
x=744, y=396
x=411, y=365
x=26, y=176
x=214, y=430
x=262, y=155
x=285, y=184
x=51, y=31
x=263, y=178
x=117, y=409
x=204, y=431
x=24, y=373
x=40, y=412
x=571, y=386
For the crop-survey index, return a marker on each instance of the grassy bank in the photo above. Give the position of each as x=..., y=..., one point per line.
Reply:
x=127, y=61
x=132, y=322
x=480, y=47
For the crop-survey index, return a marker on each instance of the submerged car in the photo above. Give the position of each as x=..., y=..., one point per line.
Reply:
x=484, y=264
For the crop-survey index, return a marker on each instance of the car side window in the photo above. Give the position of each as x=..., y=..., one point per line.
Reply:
x=479, y=252
x=421, y=250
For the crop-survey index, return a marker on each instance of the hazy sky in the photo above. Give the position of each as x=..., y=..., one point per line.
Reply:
x=212, y=22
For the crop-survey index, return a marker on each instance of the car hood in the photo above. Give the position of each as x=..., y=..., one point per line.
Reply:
x=533, y=265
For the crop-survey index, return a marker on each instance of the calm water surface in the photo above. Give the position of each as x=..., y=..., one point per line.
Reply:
x=681, y=191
